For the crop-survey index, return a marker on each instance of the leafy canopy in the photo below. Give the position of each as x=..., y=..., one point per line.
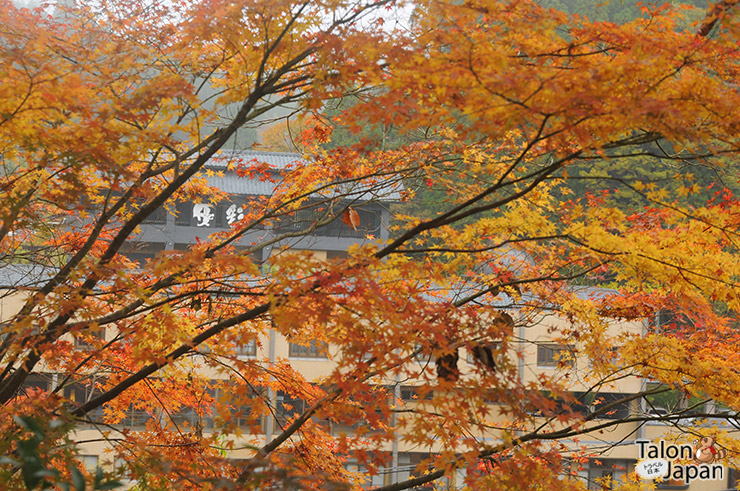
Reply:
x=547, y=141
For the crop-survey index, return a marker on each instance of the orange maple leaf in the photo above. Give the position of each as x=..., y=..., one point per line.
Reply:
x=351, y=218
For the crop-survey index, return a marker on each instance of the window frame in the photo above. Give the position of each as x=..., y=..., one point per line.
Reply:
x=552, y=359
x=496, y=348
x=248, y=349
x=314, y=350
x=83, y=345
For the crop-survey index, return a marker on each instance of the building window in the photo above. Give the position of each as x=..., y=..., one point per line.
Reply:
x=184, y=211
x=299, y=220
x=79, y=393
x=37, y=381
x=157, y=217
x=410, y=466
x=247, y=349
x=487, y=353
x=666, y=321
x=362, y=477
x=422, y=355
x=288, y=407
x=89, y=462
x=246, y=419
x=369, y=224
x=86, y=341
x=305, y=218
x=410, y=393
x=185, y=419
x=733, y=478
x=237, y=407
x=315, y=349
x=605, y=474
x=135, y=419
x=619, y=407
x=142, y=252
x=554, y=355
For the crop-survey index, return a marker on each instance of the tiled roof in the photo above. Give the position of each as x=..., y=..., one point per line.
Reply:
x=230, y=183
x=25, y=276
x=276, y=160
x=233, y=184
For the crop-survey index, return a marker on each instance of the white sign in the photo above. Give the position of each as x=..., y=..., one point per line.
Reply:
x=203, y=214
x=652, y=469
x=234, y=214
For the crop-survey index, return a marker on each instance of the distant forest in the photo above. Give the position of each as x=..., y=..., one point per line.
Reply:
x=617, y=11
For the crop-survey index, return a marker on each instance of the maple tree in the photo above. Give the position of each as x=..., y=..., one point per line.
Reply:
x=108, y=117
x=285, y=135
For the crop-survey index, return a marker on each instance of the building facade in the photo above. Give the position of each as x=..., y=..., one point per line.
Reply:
x=535, y=351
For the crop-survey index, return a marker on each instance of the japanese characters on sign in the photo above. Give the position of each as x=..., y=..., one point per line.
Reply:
x=204, y=214
x=234, y=214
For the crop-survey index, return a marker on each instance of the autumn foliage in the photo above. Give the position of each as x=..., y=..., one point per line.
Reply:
x=512, y=126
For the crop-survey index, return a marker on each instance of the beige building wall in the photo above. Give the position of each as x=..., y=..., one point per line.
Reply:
x=617, y=443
